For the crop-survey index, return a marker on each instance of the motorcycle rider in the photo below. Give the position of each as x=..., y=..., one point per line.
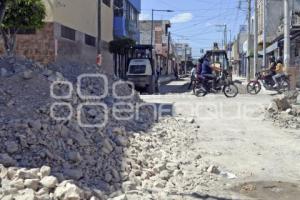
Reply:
x=272, y=68
x=279, y=71
x=207, y=70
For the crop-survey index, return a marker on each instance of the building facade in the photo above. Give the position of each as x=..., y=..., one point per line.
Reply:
x=70, y=33
x=184, y=52
x=275, y=30
x=161, y=41
x=126, y=17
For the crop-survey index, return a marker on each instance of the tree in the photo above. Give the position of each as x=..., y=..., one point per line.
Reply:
x=20, y=15
x=3, y=4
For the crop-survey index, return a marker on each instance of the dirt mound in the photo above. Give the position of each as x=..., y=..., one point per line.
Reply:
x=32, y=138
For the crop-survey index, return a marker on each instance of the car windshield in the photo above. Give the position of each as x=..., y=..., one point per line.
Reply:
x=137, y=69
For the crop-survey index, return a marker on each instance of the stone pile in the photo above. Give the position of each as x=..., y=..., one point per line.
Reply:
x=284, y=111
x=39, y=184
x=163, y=164
x=31, y=138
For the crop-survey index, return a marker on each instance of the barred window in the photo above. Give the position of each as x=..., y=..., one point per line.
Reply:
x=68, y=33
x=107, y=2
x=90, y=40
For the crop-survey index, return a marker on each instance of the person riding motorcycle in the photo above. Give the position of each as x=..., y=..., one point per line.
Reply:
x=207, y=70
x=279, y=71
x=272, y=68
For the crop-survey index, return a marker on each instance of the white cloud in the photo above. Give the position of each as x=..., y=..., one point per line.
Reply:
x=144, y=16
x=182, y=18
x=207, y=24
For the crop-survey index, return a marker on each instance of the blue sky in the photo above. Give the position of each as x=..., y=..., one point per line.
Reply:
x=194, y=21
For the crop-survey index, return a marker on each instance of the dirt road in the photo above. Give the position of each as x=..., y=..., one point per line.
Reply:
x=250, y=154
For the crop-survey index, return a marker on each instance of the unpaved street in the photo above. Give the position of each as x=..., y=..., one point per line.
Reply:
x=232, y=136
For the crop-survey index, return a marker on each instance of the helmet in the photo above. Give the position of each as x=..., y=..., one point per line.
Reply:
x=279, y=59
x=272, y=59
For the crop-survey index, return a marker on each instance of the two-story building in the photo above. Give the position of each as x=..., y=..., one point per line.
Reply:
x=160, y=40
x=275, y=29
x=126, y=19
x=70, y=33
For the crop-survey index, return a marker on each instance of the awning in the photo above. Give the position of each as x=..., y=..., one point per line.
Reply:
x=270, y=48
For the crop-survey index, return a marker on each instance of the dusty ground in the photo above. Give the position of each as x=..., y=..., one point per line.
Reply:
x=251, y=154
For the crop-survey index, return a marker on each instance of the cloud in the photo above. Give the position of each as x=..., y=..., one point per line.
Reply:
x=207, y=24
x=144, y=16
x=182, y=18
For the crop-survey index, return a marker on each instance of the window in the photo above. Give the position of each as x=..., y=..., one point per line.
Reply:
x=90, y=40
x=106, y=2
x=27, y=31
x=118, y=8
x=137, y=69
x=68, y=33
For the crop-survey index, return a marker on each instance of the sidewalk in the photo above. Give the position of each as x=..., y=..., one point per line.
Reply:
x=166, y=78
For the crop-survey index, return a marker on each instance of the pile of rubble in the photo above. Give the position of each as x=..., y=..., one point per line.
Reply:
x=38, y=184
x=284, y=111
x=31, y=138
x=163, y=164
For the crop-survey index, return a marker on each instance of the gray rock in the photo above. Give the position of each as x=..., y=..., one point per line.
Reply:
x=213, y=169
x=11, y=147
x=128, y=186
x=27, y=74
x=68, y=192
x=273, y=107
x=74, y=156
x=17, y=183
x=164, y=175
x=26, y=194
x=122, y=197
x=75, y=174
x=45, y=171
x=6, y=160
x=7, y=197
x=49, y=181
x=160, y=184
x=3, y=72
x=32, y=183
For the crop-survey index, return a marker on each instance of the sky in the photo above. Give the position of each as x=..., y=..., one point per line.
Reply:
x=195, y=21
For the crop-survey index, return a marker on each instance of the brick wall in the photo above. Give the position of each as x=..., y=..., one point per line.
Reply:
x=39, y=47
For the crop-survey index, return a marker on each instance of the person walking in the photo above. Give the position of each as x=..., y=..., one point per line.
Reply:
x=193, y=76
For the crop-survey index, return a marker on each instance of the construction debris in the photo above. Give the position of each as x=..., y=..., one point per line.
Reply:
x=31, y=138
x=284, y=112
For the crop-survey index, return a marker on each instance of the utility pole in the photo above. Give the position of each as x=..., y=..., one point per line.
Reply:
x=230, y=50
x=168, y=56
x=225, y=37
x=255, y=50
x=152, y=24
x=287, y=42
x=185, y=67
x=248, y=41
x=265, y=33
x=99, y=56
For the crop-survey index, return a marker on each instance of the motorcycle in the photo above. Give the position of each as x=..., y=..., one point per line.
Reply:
x=265, y=80
x=223, y=83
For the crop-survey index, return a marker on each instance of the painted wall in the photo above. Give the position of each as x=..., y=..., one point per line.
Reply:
x=81, y=16
x=136, y=4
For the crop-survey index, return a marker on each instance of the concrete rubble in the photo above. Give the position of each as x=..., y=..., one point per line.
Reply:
x=32, y=139
x=284, y=111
